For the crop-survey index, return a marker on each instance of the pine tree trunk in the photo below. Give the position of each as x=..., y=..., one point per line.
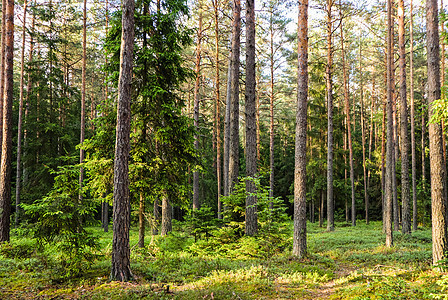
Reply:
x=388, y=199
x=234, y=137
x=218, y=109
x=329, y=71
x=349, y=130
x=438, y=179
x=141, y=221
x=251, y=124
x=167, y=215
x=271, y=109
x=395, y=154
x=405, y=189
x=83, y=102
x=121, y=270
x=6, y=157
x=299, y=238
x=413, y=155
x=363, y=142
x=156, y=216
x=2, y=65
x=196, y=106
x=20, y=121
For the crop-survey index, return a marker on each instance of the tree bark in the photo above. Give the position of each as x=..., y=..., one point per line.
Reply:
x=196, y=106
x=83, y=102
x=405, y=189
x=388, y=199
x=121, y=270
x=251, y=124
x=141, y=221
x=20, y=121
x=167, y=215
x=299, y=238
x=438, y=180
x=363, y=141
x=218, y=108
x=329, y=82
x=156, y=215
x=2, y=66
x=413, y=155
x=234, y=137
x=349, y=131
x=6, y=157
x=271, y=108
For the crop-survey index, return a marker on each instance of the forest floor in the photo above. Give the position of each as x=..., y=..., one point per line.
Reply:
x=349, y=263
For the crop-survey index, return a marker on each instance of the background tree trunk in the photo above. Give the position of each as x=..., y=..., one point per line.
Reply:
x=388, y=199
x=234, y=138
x=196, y=107
x=405, y=190
x=413, y=155
x=329, y=70
x=20, y=121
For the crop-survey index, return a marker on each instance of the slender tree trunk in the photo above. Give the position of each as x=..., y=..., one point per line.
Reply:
x=156, y=215
x=218, y=109
x=329, y=71
x=299, y=238
x=227, y=132
x=363, y=141
x=2, y=65
x=196, y=106
x=141, y=221
x=413, y=155
x=121, y=270
x=405, y=190
x=438, y=179
x=345, y=171
x=83, y=101
x=6, y=157
x=349, y=131
x=388, y=199
x=19, y=125
x=251, y=124
x=271, y=108
x=167, y=215
x=234, y=97
x=105, y=204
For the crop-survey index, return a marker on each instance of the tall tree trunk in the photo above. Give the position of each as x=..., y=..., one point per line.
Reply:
x=227, y=131
x=2, y=66
x=83, y=102
x=383, y=158
x=196, y=107
x=349, y=130
x=271, y=106
x=234, y=137
x=363, y=141
x=105, y=204
x=141, y=221
x=121, y=269
x=299, y=238
x=388, y=199
x=395, y=155
x=156, y=216
x=413, y=155
x=251, y=124
x=438, y=179
x=329, y=71
x=6, y=158
x=167, y=215
x=19, y=125
x=345, y=171
x=405, y=190
x=442, y=80
x=218, y=108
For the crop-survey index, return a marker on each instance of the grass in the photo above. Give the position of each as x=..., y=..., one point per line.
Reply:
x=349, y=263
